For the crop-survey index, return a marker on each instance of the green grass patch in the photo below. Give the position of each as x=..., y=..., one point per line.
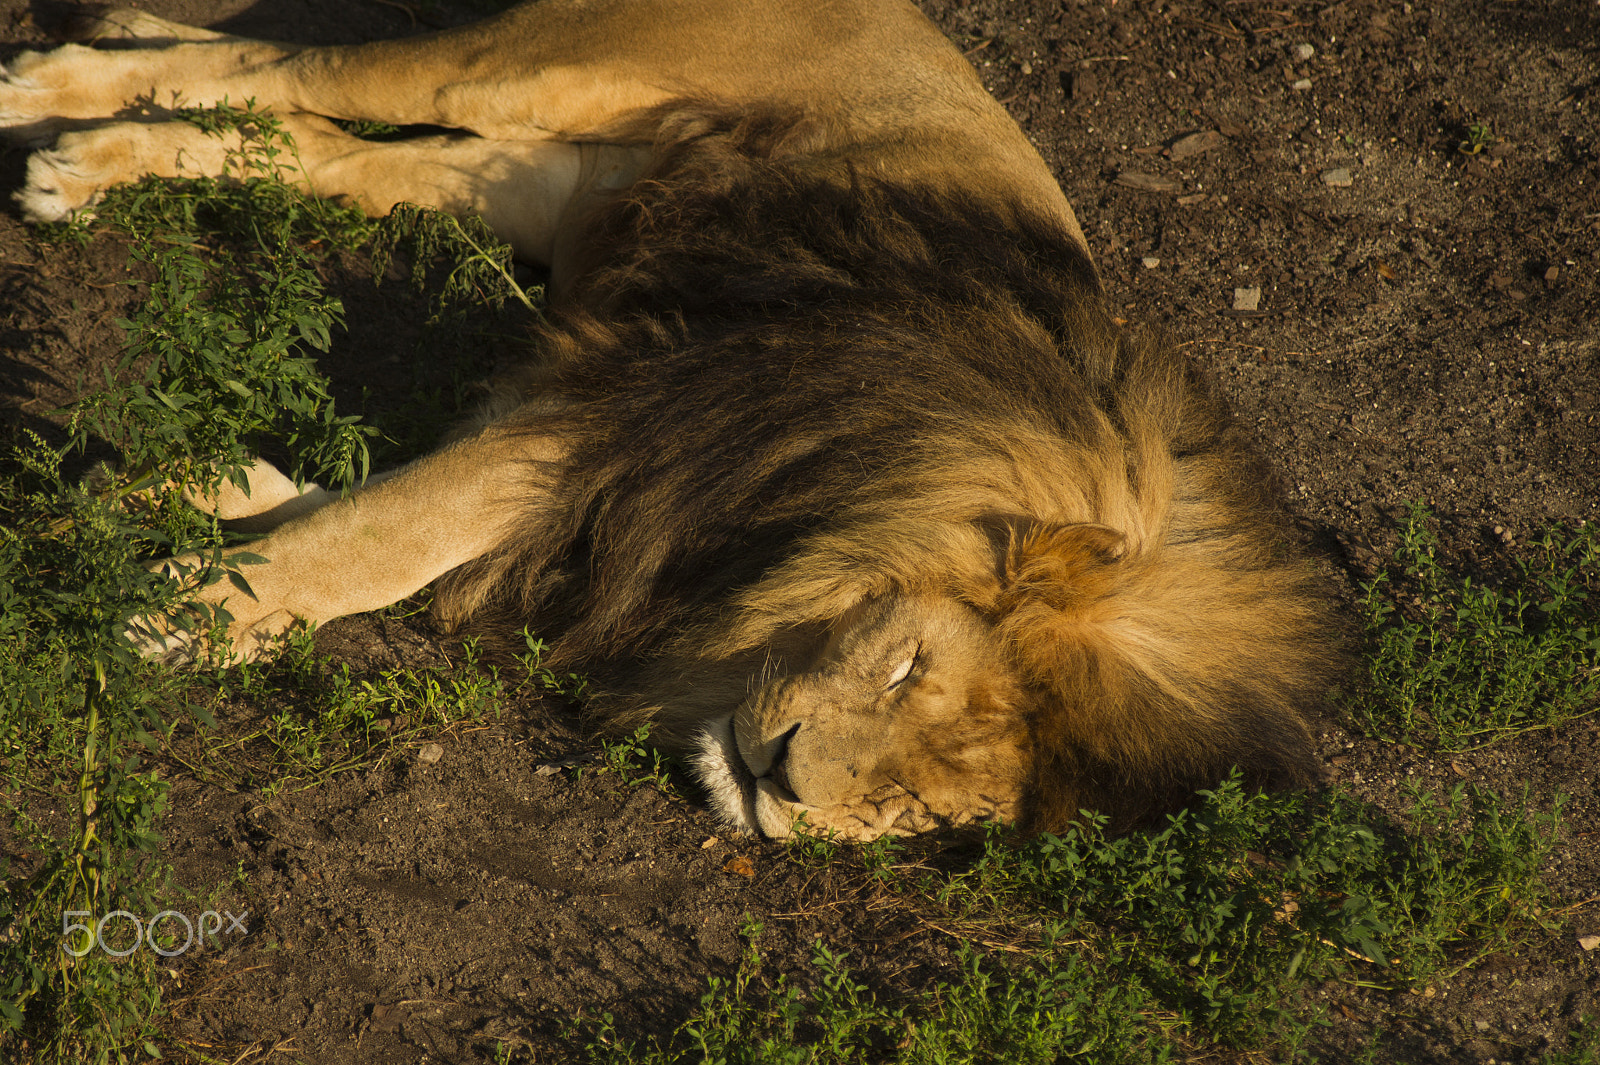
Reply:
x=1141, y=948
x=1460, y=664
x=1054, y=1004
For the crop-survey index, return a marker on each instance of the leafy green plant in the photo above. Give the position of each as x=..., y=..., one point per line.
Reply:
x=213, y=366
x=569, y=686
x=1479, y=136
x=1466, y=664
x=1242, y=899
x=635, y=760
x=1051, y=1006
x=879, y=857
x=813, y=845
x=221, y=374
x=477, y=264
x=257, y=206
x=76, y=706
x=218, y=342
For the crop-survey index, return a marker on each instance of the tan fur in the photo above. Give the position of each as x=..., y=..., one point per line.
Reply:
x=1012, y=610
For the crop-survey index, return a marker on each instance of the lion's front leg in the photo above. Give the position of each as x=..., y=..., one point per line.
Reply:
x=373, y=547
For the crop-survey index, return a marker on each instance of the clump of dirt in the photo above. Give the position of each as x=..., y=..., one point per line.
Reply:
x=1376, y=223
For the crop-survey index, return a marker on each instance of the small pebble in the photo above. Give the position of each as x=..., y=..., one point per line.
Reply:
x=1195, y=144
x=1303, y=85
x=1132, y=179
x=1338, y=178
x=1247, y=299
x=430, y=753
x=1150, y=262
x=1302, y=52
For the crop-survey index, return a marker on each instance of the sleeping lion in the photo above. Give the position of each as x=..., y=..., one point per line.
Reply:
x=828, y=461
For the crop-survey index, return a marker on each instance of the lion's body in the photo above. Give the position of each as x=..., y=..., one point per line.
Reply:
x=830, y=461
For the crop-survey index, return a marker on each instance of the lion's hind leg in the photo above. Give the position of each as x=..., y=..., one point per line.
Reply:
x=524, y=190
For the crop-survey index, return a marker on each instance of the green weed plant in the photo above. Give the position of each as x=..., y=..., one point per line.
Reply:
x=1465, y=664
x=215, y=365
x=1139, y=946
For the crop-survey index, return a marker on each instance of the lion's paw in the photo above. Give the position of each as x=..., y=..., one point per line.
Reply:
x=224, y=622
x=156, y=637
x=65, y=181
x=161, y=638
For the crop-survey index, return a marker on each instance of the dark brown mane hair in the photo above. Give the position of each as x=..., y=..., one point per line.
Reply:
x=787, y=384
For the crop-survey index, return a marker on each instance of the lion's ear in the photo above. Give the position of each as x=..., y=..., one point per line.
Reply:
x=1058, y=617
x=1060, y=568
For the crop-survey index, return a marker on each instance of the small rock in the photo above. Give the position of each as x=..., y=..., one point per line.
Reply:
x=1482, y=1026
x=1247, y=299
x=1194, y=144
x=1337, y=178
x=1589, y=942
x=1303, y=85
x=1552, y=275
x=430, y=753
x=1027, y=67
x=708, y=844
x=1082, y=85
x=1302, y=52
x=1150, y=262
x=1132, y=179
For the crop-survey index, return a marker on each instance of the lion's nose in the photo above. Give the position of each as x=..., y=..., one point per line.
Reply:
x=780, y=759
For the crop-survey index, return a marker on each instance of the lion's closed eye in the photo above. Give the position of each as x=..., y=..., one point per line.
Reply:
x=903, y=672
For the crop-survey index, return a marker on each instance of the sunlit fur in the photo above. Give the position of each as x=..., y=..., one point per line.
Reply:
x=791, y=391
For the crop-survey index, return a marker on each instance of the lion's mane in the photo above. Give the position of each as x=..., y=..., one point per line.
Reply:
x=788, y=386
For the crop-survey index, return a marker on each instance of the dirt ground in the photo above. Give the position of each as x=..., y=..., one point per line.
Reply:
x=1426, y=330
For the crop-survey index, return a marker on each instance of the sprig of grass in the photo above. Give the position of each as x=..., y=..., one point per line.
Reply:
x=1466, y=664
x=477, y=264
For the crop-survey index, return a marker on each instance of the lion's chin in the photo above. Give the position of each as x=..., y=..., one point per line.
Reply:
x=746, y=803
x=726, y=778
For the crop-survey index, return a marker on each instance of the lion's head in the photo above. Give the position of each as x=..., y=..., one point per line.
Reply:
x=1067, y=671
x=907, y=720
